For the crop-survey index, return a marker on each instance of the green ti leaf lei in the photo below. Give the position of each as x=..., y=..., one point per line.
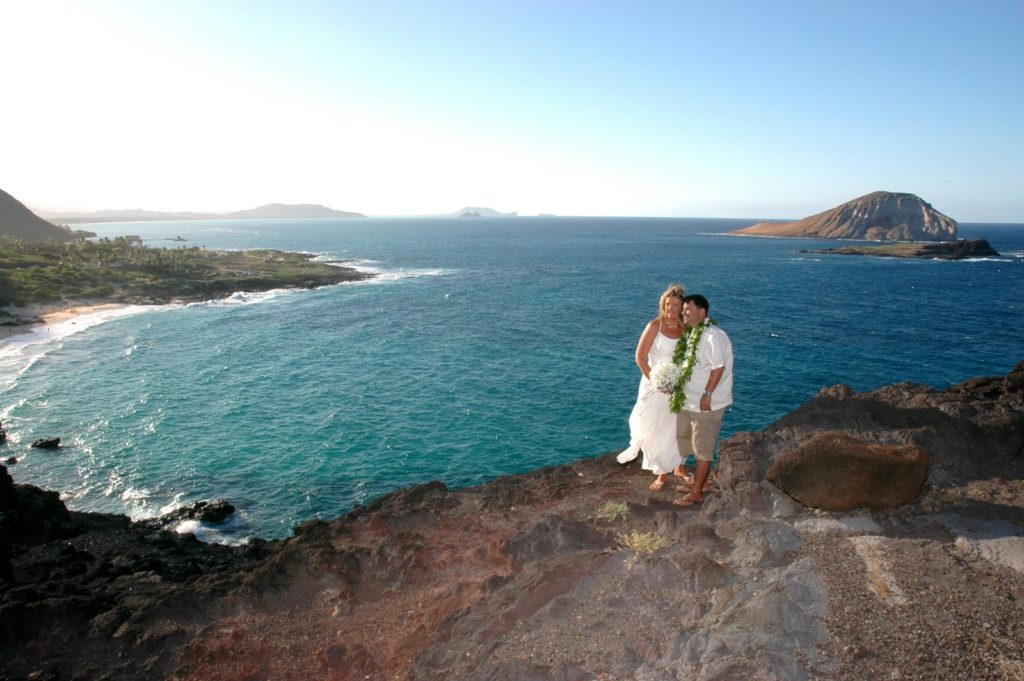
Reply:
x=685, y=356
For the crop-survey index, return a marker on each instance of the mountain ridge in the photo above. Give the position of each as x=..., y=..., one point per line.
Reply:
x=269, y=211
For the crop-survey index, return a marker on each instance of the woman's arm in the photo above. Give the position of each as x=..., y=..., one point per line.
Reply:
x=643, y=348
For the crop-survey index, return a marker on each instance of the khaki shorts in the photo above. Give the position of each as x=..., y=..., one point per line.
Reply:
x=697, y=431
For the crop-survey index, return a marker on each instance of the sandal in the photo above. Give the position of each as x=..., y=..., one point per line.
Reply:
x=657, y=485
x=685, y=488
x=688, y=500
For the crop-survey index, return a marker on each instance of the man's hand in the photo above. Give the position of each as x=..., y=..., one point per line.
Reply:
x=705, y=403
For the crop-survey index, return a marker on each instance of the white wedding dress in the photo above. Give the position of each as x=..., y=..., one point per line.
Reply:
x=652, y=425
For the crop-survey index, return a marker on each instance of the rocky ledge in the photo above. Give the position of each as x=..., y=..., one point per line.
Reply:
x=578, y=572
x=945, y=250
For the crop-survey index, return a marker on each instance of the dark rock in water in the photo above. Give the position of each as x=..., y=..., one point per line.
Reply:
x=47, y=443
x=947, y=250
x=209, y=512
x=836, y=472
x=11, y=460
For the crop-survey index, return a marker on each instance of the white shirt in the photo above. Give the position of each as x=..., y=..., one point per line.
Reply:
x=713, y=351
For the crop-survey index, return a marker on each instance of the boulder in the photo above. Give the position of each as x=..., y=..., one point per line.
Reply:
x=47, y=443
x=209, y=512
x=837, y=472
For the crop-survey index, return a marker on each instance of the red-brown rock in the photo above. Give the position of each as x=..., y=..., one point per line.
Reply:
x=836, y=472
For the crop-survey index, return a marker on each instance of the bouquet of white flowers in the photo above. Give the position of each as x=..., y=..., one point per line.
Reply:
x=665, y=375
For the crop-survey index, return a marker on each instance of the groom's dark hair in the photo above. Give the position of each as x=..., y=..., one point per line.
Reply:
x=698, y=300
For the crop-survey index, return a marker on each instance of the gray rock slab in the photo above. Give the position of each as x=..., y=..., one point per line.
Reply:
x=996, y=540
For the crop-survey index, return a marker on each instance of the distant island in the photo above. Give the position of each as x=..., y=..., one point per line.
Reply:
x=478, y=212
x=949, y=250
x=879, y=216
x=270, y=211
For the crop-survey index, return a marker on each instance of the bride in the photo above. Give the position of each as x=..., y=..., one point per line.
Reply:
x=652, y=425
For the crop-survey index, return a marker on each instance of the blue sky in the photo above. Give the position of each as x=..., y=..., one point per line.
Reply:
x=724, y=109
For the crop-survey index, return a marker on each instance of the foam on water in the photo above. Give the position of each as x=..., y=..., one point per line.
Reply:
x=230, y=532
x=246, y=298
x=18, y=353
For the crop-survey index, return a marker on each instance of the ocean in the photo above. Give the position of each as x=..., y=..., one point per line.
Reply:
x=482, y=347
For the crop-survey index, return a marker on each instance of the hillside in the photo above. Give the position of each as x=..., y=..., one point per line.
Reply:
x=17, y=221
x=879, y=216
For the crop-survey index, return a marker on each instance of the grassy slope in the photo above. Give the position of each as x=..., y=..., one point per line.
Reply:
x=119, y=271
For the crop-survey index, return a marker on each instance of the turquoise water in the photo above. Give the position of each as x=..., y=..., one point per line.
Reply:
x=483, y=347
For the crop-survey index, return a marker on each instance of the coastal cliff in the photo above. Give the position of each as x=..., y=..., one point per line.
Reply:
x=577, y=571
x=879, y=216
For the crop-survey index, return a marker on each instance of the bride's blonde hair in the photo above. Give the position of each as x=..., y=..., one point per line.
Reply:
x=673, y=291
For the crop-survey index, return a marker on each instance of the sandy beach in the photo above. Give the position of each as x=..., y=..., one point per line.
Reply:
x=31, y=316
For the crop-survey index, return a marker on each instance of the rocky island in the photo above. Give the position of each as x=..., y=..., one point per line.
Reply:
x=947, y=250
x=904, y=558
x=879, y=216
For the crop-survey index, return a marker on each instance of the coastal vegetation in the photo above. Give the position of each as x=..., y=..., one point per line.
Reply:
x=614, y=511
x=643, y=542
x=122, y=270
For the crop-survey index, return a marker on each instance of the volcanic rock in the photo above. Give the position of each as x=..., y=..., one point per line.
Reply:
x=945, y=250
x=879, y=216
x=47, y=443
x=210, y=512
x=534, y=576
x=836, y=472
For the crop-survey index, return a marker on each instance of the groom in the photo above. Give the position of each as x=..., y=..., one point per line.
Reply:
x=707, y=393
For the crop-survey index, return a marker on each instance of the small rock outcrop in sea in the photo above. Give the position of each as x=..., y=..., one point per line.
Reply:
x=879, y=216
x=946, y=250
x=210, y=512
x=571, y=572
x=47, y=443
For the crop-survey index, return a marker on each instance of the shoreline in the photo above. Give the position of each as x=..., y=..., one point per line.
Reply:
x=27, y=319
